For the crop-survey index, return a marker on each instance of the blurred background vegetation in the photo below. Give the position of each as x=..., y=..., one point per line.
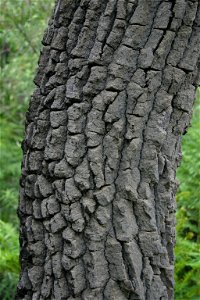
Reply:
x=22, y=26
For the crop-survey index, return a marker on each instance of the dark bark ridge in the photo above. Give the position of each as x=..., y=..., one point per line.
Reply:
x=114, y=93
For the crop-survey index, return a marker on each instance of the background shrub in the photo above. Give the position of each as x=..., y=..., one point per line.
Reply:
x=23, y=23
x=187, y=268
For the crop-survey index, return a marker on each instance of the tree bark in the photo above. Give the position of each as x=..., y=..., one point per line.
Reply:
x=114, y=93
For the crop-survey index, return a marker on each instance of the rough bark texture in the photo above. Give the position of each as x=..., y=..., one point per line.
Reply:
x=114, y=93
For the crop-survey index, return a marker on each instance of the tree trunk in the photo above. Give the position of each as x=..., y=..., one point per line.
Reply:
x=114, y=93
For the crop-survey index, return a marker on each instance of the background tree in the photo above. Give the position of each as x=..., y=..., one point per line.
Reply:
x=122, y=189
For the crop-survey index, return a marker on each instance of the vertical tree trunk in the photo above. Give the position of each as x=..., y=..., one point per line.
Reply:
x=114, y=93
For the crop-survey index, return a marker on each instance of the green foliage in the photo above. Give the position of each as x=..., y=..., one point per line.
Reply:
x=11, y=134
x=9, y=266
x=8, y=283
x=187, y=268
x=23, y=23
x=22, y=26
x=9, y=240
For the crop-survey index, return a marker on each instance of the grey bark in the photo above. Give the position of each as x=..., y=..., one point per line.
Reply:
x=114, y=94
